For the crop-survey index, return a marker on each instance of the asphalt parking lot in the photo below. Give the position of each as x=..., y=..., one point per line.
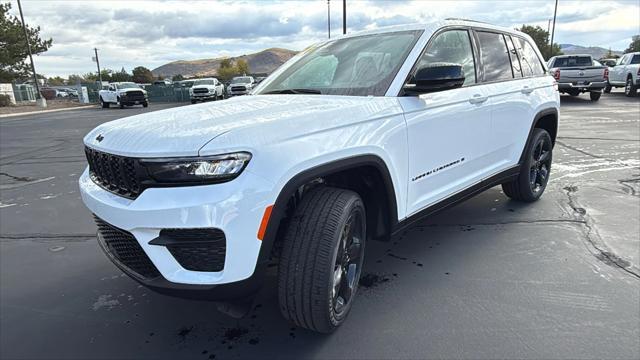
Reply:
x=490, y=278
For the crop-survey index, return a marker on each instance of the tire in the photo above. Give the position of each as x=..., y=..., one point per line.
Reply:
x=121, y=104
x=145, y=104
x=595, y=95
x=630, y=89
x=193, y=101
x=313, y=259
x=537, y=164
x=104, y=104
x=607, y=88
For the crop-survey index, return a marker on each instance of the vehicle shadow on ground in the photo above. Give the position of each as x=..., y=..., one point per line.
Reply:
x=177, y=327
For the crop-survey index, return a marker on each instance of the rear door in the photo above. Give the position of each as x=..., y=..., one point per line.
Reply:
x=617, y=73
x=510, y=93
x=448, y=131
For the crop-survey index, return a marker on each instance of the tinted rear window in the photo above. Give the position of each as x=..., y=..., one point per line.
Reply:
x=636, y=59
x=495, y=59
x=573, y=61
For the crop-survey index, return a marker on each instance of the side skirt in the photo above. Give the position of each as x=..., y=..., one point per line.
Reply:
x=499, y=178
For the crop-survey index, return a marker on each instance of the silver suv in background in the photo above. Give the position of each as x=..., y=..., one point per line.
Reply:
x=241, y=85
x=577, y=74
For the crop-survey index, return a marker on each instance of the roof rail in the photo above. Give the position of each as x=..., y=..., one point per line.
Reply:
x=463, y=19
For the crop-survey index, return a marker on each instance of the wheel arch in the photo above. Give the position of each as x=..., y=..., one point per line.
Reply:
x=546, y=119
x=349, y=173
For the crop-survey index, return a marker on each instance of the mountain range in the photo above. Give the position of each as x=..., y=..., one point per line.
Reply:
x=595, y=51
x=263, y=62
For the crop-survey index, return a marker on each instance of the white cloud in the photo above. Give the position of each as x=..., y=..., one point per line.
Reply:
x=151, y=33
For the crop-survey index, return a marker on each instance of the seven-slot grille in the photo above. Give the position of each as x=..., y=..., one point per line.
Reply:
x=238, y=88
x=114, y=173
x=123, y=247
x=200, y=91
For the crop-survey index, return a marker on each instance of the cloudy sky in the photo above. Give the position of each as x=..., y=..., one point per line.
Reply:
x=151, y=33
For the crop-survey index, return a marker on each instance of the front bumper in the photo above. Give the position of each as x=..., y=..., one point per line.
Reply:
x=203, y=96
x=235, y=207
x=590, y=86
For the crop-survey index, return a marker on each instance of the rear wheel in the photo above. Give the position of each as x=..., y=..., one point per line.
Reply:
x=534, y=171
x=595, y=95
x=630, y=89
x=321, y=260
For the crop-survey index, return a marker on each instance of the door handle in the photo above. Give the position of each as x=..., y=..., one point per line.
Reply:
x=526, y=90
x=478, y=99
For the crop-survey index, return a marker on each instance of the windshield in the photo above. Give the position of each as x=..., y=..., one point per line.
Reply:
x=241, y=80
x=573, y=61
x=357, y=66
x=127, y=85
x=204, y=82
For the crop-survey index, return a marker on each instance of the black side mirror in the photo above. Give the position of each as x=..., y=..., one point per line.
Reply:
x=435, y=77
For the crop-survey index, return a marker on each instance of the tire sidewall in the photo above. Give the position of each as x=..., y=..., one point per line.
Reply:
x=524, y=181
x=353, y=207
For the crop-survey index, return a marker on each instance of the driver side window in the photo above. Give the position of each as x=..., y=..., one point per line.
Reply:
x=453, y=46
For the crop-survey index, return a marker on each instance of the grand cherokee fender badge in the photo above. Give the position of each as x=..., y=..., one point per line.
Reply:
x=439, y=168
x=99, y=138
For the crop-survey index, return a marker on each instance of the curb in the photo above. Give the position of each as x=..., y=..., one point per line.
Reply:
x=47, y=111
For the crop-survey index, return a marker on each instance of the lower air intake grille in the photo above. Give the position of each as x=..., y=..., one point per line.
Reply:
x=196, y=249
x=122, y=247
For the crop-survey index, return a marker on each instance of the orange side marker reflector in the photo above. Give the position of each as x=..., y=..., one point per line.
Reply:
x=265, y=222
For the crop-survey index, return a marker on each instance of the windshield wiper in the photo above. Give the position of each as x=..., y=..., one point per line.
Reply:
x=294, y=91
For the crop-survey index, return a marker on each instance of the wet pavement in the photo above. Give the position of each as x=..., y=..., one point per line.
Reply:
x=489, y=278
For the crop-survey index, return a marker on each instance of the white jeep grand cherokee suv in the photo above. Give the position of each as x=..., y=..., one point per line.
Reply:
x=350, y=141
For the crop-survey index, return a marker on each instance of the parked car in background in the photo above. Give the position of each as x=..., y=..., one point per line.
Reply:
x=240, y=85
x=206, y=89
x=578, y=74
x=49, y=93
x=123, y=94
x=69, y=91
x=186, y=83
x=626, y=73
x=165, y=82
x=608, y=62
x=352, y=141
x=259, y=79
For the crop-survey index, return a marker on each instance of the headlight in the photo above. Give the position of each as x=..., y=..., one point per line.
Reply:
x=209, y=169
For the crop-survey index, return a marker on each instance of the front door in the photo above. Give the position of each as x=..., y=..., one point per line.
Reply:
x=448, y=131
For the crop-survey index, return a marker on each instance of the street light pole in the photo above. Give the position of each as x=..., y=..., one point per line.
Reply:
x=553, y=29
x=39, y=99
x=344, y=17
x=98, y=63
x=329, y=18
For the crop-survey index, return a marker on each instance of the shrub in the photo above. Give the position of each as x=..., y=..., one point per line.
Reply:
x=5, y=100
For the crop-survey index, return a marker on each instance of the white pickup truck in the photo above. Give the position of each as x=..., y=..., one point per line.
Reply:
x=577, y=74
x=206, y=89
x=625, y=73
x=123, y=94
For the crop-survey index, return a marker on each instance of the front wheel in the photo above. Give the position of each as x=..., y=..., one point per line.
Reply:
x=607, y=88
x=145, y=104
x=595, y=95
x=104, y=104
x=534, y=171
x=321, y=262
x=630, y=89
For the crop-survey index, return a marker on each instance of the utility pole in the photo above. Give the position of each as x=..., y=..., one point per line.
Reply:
x=553, y=30
x=344, y=17
x=39, y=99
x=98, y=63
x=329, y=18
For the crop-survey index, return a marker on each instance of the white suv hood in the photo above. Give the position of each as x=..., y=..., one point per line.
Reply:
x=183, y=131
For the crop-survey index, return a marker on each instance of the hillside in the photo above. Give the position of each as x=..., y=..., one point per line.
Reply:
x=595, y=51
x=264, y=61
